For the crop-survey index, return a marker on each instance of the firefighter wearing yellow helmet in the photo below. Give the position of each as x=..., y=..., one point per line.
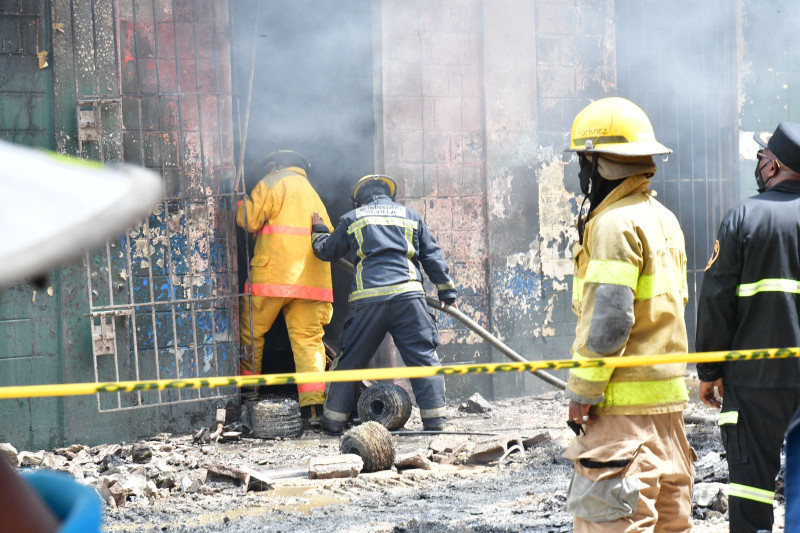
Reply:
x=633, y=463
x=284, y=273
x=390, y=246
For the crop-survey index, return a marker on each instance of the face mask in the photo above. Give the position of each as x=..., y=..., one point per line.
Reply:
x=759, y=179
x=585, y=174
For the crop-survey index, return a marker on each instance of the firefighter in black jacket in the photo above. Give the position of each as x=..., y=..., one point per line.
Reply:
x=751, y=299
x=387, y=242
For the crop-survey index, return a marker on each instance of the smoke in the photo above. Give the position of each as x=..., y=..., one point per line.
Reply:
x=312, y=90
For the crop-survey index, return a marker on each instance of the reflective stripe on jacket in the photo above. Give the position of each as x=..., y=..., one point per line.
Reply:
x=388, y=242
x=750, y=296
x=279, y=212
x=629, y=292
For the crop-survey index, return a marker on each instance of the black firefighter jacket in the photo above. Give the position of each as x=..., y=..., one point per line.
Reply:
x=751, y=290
x=387, y=243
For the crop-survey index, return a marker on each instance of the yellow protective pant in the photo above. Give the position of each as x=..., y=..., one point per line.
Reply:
x=304, y=320
x=648, y=452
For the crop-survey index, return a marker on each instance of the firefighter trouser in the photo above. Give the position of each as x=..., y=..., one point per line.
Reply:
x=752, y=423
x=304, y=321
x=632, y=473
x=416, y=337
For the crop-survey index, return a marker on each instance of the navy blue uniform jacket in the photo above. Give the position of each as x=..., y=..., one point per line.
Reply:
x=387, y=243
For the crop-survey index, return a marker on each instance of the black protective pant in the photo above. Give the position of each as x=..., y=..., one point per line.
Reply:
x=414, y=332
x=753, y=442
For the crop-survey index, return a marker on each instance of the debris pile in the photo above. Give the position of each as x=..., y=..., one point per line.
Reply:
x=170, y=479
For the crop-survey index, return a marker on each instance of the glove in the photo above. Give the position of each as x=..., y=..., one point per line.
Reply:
x=448, y=301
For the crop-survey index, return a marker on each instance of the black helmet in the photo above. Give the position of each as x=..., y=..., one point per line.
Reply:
x=286, y=158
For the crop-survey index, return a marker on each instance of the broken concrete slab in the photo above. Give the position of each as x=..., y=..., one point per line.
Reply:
x=141, y=453
x=31, y=458
x=444, y=445
x=10, y=453
x=255, y=480
x=217, y=470
x=418, y=459
x=712, y=496
x=494, y=448
x=444, y=458
x=476, y=404
x=112, y=492
x=336, y=466
x=530, y=442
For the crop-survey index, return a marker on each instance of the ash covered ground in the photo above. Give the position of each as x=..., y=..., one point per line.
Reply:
x=168, y=483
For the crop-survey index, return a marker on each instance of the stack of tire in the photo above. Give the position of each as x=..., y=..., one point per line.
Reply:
x=273, y=419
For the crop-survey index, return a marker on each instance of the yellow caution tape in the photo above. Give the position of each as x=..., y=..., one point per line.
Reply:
x=78, y=389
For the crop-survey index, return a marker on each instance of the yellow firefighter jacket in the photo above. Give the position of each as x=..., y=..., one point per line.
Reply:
x=279, y=213
x=629, y=292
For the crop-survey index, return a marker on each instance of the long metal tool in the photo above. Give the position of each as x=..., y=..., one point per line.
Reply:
x=474, y=326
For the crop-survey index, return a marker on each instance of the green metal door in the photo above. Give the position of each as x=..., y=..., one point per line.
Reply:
x=29, y=318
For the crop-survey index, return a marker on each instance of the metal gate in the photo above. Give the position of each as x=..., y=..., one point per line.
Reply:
x=155, y=89
x=681, y=70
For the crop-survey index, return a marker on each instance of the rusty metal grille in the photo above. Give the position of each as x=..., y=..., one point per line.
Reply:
x=162, y=302
x=681, y=71
x=162, y=297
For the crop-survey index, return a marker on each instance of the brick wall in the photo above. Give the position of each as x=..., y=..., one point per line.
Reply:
x=478, y=98
x=433, y=141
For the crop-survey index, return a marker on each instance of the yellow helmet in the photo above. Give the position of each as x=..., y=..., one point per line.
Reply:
x=614, y=126
x=372, y=178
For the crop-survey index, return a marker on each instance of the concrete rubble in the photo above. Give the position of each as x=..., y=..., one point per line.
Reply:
x=476, y=404
x=169, y=479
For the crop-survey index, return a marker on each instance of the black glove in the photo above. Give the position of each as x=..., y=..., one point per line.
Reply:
x=320, y=228
x=448, y=301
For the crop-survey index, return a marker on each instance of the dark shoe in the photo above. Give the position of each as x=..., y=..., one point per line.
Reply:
x=310, y=415
x=331, y=427
x=434, y=424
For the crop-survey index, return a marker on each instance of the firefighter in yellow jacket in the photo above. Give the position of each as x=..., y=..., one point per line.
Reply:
x=633, y=464
x=284, y=272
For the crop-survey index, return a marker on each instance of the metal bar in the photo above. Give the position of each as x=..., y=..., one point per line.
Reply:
x=91, y=321
x=190, y=247
x=211, y=274
x=129, y=264
x=240, y=169
x=474, y=326
x=111, y=301
x=172, y=302
x=152, y=297
x=106, y=308
x=188, y=400
x=204, y=178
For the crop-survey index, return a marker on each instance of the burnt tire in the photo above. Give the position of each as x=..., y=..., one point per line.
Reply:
x=373, y=443
x=273, y=419
x=385, y=403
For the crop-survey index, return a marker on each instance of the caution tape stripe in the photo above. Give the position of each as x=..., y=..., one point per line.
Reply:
x=79, y=389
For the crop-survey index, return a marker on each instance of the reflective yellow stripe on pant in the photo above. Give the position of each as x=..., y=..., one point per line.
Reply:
x=304, y=321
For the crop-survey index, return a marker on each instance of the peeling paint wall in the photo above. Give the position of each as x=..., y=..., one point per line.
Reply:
x=154, y=76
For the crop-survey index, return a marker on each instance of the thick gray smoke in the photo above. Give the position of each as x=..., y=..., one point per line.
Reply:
x=312, y=90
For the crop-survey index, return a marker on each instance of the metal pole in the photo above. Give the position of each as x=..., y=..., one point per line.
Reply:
x=474, y=326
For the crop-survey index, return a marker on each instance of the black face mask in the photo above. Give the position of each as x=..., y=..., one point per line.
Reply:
x=585, y=174
x=759, y=179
